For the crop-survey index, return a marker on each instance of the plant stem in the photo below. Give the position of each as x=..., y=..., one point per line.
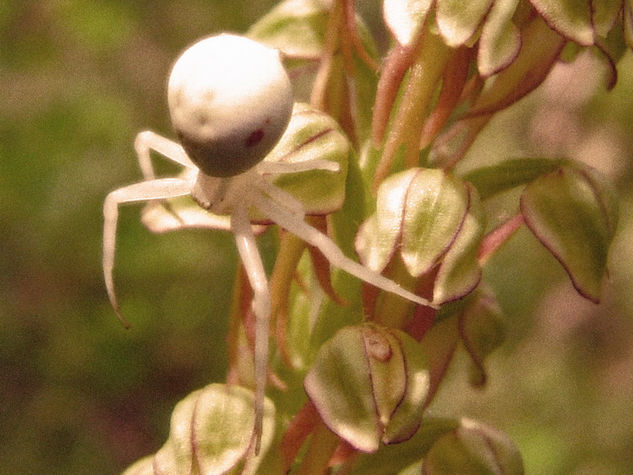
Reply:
x=497, y=237
x=290, y=251
x=320, y=450
x=424, y=75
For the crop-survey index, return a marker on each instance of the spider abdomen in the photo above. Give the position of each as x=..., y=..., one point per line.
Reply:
x=230, y=100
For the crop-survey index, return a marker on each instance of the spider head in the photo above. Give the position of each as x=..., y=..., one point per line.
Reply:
x=230, y=100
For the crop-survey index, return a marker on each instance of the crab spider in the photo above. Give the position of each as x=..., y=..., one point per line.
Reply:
x=230, y=101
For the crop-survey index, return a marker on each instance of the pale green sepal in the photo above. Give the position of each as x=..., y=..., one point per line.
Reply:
x=387, y=369
x=460, y=272
x=339, y=385
x=312, y=134
x=211, y=431
x=418, y=211
x=458, y=21
x=296, y=27
x=473, y=448
x=405, y=420
x=378, y=236
x=570, y=18
x=405, y=18
x=369, y=384
x=435, y=207
x=500, y=39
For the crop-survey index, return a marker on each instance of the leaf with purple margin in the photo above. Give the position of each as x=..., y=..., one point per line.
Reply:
x=571, y=212
x=504, y=176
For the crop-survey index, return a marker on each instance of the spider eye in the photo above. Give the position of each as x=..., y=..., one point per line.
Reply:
x=230, y=100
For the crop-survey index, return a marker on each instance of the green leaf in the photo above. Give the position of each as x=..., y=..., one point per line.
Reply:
x=460, y=271
x=473, y=448
x=500, y=39
x=509, y=174
x=458, y=20
x=571, y=18
x=211, y=431
x=296, y=27
x=405, y=18
x=574, y=217
x=369, y=384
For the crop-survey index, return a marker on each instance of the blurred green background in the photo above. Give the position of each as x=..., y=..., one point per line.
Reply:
x=80, y=394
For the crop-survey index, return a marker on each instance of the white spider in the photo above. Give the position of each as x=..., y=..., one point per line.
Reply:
x=230, y=101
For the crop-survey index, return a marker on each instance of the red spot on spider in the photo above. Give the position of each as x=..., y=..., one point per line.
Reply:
x=254, y=138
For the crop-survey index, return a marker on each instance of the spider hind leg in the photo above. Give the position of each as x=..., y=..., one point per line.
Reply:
x=251, y=259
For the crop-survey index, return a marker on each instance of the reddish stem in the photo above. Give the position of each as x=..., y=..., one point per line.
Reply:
x=497, y=237
x=300, y=427
x=453, y=83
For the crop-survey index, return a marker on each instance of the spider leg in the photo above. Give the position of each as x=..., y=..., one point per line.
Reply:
x=295, y=167
x=282, y=197
x=148, y=140
x=247, y=248
x=143, y=191
x=331, y=251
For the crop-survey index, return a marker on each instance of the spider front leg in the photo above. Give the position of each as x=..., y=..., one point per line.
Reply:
x=331, y=251
x=249, y=254
x=144, y=191
x=147, y=141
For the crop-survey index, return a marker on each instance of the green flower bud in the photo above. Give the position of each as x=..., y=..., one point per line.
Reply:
x=369, y=384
